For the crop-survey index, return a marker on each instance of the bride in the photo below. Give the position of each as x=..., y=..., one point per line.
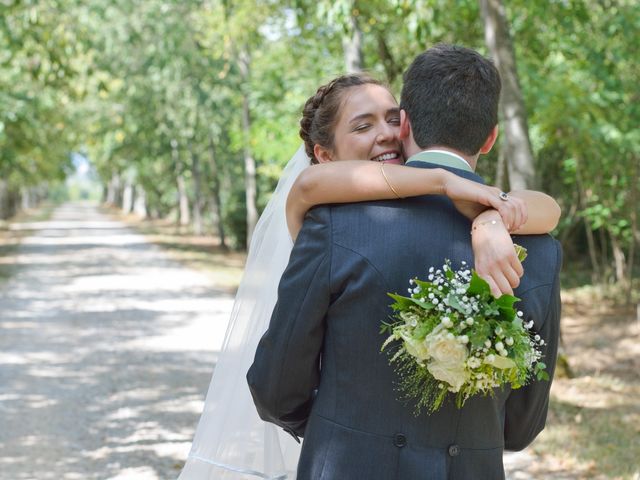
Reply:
x=352, y=117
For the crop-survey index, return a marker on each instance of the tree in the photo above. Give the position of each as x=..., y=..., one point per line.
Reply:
x=516, y=147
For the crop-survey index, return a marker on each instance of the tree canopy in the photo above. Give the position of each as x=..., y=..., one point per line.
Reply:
x=190, y=108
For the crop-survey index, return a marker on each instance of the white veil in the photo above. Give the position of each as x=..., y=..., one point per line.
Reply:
x=231, y=441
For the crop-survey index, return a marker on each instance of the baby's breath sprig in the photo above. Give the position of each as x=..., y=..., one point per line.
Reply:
x=451, y=335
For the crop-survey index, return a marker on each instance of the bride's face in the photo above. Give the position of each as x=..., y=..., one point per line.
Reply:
x=367, y=127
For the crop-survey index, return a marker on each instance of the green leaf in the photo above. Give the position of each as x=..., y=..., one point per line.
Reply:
x=478, y=286
x=506, y=301
x=401, y=302
x=521, y=252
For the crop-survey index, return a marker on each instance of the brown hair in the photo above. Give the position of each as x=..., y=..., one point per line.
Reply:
x=320, y=112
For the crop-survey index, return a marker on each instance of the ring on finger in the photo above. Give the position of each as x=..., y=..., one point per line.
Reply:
x=503, y=196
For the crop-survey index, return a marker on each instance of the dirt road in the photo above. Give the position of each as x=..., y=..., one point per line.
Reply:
x=106, y=350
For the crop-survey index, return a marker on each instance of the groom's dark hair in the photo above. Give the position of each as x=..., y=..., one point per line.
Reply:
x=451, y=96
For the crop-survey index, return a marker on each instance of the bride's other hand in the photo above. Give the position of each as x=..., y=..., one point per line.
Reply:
x=472, y=198
x=495, y=257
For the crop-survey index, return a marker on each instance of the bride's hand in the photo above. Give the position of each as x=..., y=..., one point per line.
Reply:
x=495, y=258
x=472, y=198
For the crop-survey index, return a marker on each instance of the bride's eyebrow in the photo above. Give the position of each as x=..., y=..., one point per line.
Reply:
x=363, y=116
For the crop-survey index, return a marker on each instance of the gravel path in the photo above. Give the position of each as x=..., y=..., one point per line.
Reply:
x=106, y=351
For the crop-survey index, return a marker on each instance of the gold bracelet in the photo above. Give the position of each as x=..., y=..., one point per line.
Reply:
x=476, y=225
x=387, y=180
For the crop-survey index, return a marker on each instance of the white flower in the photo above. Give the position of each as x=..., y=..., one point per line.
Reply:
x=509, y=341
x=498, y=330
x=431, y=270
x=473, y=362
x=415, y=348
x=520, y=313
x=499, y=346
x=487, y=343
x=446, y=321
x=463, y=339
x=448, y=359
x=469, y=321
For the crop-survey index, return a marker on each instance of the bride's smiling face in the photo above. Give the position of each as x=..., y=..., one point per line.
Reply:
x=367, y=127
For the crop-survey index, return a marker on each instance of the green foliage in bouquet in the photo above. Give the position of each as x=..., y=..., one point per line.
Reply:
x=456, y=337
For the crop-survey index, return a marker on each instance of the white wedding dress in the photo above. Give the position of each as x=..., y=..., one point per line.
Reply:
x=231, y=441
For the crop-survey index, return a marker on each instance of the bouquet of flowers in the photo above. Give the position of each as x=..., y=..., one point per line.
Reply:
x=455, y=336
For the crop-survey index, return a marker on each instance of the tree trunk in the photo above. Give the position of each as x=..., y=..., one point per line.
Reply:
x=140, y=204
x=516, y=144
x=25, y=198
x=216, y=205
x=183, y=198
x=249, y=162
x=618, y=259
x=4, y=200
x=352, y=46
x=596, y=274
x=114, y=191
x=197, y=193
x=391, y=67
x=127, y=197
x=631, y=257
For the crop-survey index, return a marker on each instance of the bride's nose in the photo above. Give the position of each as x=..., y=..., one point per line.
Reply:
x=386, y=133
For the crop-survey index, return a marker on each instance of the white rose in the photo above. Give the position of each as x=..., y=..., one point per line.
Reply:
x=454, y=375
x=445, y=349
x=415, y=348
x=448, y=359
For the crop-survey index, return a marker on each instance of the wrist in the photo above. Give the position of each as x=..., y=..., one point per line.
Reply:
x=487, y=220
x=487, y=215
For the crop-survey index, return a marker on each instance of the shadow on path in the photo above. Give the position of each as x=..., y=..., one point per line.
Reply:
x=106, y=351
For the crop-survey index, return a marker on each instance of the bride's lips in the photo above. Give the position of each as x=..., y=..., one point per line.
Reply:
x=392, y=156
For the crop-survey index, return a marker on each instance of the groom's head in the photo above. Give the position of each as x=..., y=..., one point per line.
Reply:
x=450, y=97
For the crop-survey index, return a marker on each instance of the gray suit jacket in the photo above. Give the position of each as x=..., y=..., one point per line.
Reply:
x=318, y=371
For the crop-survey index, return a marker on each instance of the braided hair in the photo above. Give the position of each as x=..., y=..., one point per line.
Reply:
x=321, y=111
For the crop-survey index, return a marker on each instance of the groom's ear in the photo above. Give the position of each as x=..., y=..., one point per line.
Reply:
x=405, y=125
x=322, y=154
x=491, y=139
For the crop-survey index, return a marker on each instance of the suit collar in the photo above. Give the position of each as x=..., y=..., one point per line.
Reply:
x=442, y=158
x=426, y=162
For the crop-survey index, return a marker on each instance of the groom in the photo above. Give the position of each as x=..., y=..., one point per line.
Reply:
x=318, y=370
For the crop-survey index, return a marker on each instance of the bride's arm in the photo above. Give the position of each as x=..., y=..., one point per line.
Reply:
x=361, y=180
